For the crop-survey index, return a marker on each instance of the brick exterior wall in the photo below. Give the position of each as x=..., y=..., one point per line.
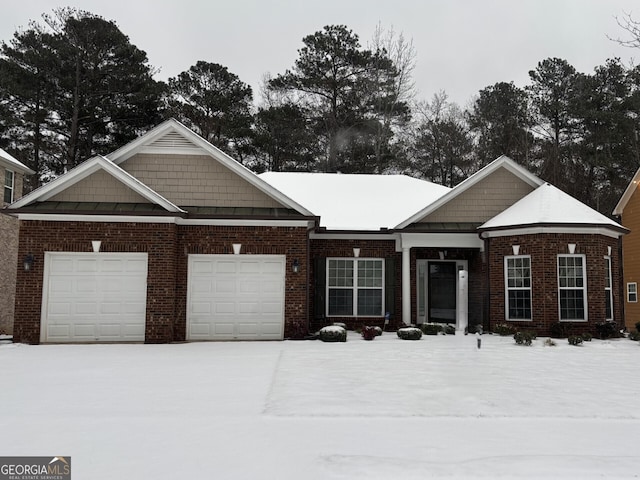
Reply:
x=322, y=248
x=543, y=249
x=167, y=246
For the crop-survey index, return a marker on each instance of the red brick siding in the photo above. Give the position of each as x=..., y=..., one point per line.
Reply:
x=544, y=249
x=288, y=241
x=323, y=248
x=167, y=246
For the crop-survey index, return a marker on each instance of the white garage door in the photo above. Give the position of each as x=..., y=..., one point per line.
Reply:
x=235, y=297
x=94, y=297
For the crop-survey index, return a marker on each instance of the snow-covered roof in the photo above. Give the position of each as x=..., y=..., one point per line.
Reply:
x=356, y=201
x=13, y=162
x=548, y=205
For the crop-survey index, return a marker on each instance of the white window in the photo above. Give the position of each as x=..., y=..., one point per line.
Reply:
x=572, y=287
x=355, y=287
x=9, y=178
x=517, y=272
x=608, y=293
x=632, y=292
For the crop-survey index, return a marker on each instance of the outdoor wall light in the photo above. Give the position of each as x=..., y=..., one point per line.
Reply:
x=295, y=266
x=442, y=254
x=236, y=248
x=95, y=244
x=572, y=248
x=609, y=250
x=516, y=249
x=356, y=252
x=27, y=262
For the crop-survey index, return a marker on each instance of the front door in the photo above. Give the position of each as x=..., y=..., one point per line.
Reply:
x=442, y=292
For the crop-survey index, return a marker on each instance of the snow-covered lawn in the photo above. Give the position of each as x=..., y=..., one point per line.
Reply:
x=386, y=409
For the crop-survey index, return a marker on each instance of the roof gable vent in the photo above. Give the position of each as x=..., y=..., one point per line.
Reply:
x=172, y=142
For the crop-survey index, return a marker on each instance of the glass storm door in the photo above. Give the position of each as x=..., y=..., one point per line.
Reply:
x=441, y=292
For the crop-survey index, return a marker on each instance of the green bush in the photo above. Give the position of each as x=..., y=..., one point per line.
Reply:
x=449, y=329
x=504, y=329
x=635, y=336
x=410, y=333
x=607, y=329
x=638, y=326
x=333, y=333
x=575, y=340
x=524, y=338
x=586, y=336
x=560, y=330
x=378, y=331
x=431, y=328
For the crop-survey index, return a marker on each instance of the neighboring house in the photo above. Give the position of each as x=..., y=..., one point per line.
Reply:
x=169, y=239
x=12, y=172
x=628, y=210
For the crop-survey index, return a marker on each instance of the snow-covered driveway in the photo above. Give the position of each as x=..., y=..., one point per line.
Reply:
x=387, y=409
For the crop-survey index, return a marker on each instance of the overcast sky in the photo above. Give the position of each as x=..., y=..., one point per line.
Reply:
x=462, y=45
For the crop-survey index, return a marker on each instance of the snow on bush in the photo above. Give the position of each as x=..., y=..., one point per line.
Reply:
x=410, y=333
x=333, y=333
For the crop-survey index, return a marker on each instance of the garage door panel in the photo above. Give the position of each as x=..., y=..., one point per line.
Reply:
x=94, y=297
x=247, y=292
x=83, y=266
x=200, y=307
x=250, y=286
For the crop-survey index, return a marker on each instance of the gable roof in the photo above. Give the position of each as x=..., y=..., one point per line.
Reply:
x=626, y=196
x=500, y=162
x=8, y=159
x=549, y=206
x=356, y=201
x=171, y=136
x=87, y=168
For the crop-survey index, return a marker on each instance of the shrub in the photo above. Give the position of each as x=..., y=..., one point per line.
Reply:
x=369, y=333
x=574, y=340
x=378, y=331
x=635, y=336
x=559, y=330
x=607, y=330
x=477, y=328
x=339, y=324
x=431, y=328
x=333, y=333
x=586, y=336
x=638, y=326
x=524, y=338
x=549, y=343
x=410, y=333
x=449, y=329
x=504, y=329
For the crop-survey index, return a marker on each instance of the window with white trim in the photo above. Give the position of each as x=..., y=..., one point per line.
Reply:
x=572, y=287
x=9, y=179
x=632, y=292
x=517, y=272
x=608, y=291
x=355, y=287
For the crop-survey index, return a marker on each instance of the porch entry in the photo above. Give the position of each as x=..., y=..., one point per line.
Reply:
x=438, y=290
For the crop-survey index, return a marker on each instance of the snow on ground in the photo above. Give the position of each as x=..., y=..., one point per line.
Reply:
x=386, y=409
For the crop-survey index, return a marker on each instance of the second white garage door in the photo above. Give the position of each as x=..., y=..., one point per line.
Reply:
x=235, y=297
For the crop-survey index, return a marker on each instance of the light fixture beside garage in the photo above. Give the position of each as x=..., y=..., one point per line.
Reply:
x=295, y=266
x=236, y=248
x=96, y=245
x=27, y=262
